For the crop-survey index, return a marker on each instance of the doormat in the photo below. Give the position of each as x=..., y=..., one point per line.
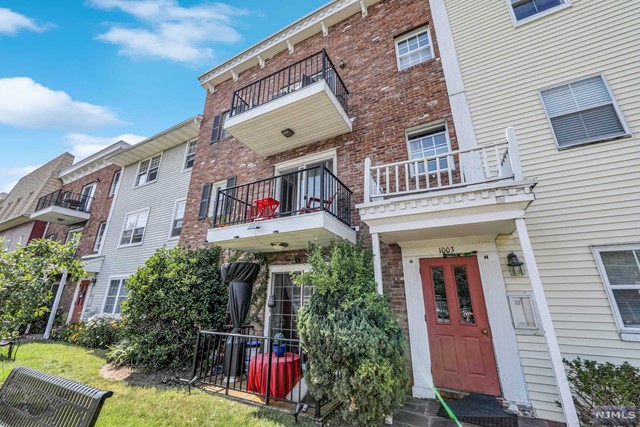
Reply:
x=482, y=410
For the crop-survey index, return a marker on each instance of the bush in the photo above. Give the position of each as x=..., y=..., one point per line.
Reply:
x=175, y=294
x=597, y=384
x=356, y=348
x=97, y=332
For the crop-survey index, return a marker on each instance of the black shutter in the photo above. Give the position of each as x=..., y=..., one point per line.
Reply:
x=231, y=182
x=204, y=201
x=217, y=128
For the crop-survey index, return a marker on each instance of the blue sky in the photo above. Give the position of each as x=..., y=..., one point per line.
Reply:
x=76, y=75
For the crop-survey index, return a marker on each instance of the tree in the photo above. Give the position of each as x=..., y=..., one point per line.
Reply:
x=27, y=275
x=355, y=348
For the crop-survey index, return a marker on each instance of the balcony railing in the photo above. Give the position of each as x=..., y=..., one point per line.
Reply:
x=66, y=199
x=256, y=369
x=297, y=193
x=299, y=75
x=459, y=168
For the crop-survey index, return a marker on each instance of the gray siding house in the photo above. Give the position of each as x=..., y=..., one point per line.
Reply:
x=146, y=213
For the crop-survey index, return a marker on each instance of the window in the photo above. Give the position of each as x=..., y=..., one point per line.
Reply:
x=87, y=196
x=116, y=294
x=218, y=186
x=148, y=170
x=191, y=155
x=134, y=226
x=114, y=183
x=620, y=270
x=524, y=9
x=219, y=132
x=289, y=298
x=178, y=217
x=208, y=199
x=99, y=237
x=73, y=233
x=428, y=144
x=582, y=112
x=413, y=48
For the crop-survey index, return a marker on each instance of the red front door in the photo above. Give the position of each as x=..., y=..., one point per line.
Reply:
x=77, y=307
x=459, y=336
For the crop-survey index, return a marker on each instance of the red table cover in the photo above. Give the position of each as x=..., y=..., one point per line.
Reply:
x=285, y=373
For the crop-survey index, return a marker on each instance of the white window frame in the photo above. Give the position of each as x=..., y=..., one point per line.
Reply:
x=93, y=186
x=121, y=278
x=626, y=333
x=115, y=182
x=97, y=245
x=433, y=129
x=135, y=181
x=614, y=102
x=124, y=223
x=71, y=232
x=565, y=4
x=173, y=217
x=409, y=35
x=279, y=269
x=186, y=155
x=222, y=184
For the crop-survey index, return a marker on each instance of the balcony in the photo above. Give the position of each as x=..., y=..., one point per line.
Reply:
x=63, y=207
x=284, y=212
x=300, y=104
x=477, y=191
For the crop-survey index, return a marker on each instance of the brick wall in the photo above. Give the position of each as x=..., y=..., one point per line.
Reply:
x=383, y=101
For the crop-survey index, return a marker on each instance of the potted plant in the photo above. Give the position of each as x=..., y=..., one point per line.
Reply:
x=279, y=347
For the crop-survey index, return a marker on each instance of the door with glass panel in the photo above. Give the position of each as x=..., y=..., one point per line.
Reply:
x=301, y=186
x=460, y=344
x=289, y=298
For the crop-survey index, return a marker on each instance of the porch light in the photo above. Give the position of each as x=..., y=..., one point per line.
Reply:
x=515, y=265
x=279, y=246
x=288, y=133
x=271, y=302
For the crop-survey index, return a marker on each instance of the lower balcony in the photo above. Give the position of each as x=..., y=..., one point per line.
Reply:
x=478, y=191
x=285, y=212
x=63, y=207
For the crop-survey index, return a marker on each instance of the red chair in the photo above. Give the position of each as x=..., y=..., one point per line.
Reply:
x=316, y=200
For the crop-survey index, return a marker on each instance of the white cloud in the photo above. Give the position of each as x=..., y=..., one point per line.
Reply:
x=9, y=176
x=25, y=103
x=11, y=22
x=170, y=31
x=83, y=145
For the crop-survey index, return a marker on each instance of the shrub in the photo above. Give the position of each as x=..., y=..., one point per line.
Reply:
x=172, y=296
x=598, y=384
x=97, y=332
x=355, y=346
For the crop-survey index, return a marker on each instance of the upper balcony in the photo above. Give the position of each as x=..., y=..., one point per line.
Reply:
x=477, y=191
x=284, y=212
x=63, y=207
x=300, y=104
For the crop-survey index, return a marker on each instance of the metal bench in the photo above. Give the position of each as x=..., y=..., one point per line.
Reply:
x=12, y=346
x=30, y=398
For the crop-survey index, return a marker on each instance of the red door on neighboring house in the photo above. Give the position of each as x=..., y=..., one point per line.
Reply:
x=77, y=307
x=460, y=343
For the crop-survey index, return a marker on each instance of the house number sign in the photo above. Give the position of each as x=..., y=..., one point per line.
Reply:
x=445, y=250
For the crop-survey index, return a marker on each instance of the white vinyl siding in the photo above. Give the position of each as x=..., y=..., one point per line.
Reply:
x=582, y=112
x=414, y=48
x=178, y=219
x=585, y=197
x=133, y=229
x=116, y=294
x=148, y=170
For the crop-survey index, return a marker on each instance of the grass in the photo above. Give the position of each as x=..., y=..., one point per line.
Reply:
x=142, y=406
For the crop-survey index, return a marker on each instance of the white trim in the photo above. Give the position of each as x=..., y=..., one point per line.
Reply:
x=222, y=185
x=565, y=4
x=625, y=332
x=173, y=217
x=106, y=230
x=56, y=303
x=534, y=330
x=186, y=154
x=124, y=223
x=104, y=235
x=113, y=189
x=93, y=185
x=120, y=277
x=280, y=268
x=377, y=261
x=135, y=178
x=616, y=107
x=303, y=160
x=413, y=33
x=568, y=406
x=72, y=231
x=429, y=129
x=73, y=301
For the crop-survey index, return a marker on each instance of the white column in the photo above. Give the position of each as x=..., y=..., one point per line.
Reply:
x=56, y=302
x=367, y=180
x=566, y=399
x=514, y=153
x=377, y=262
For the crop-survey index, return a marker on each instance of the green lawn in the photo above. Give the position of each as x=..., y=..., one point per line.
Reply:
x=142, y=406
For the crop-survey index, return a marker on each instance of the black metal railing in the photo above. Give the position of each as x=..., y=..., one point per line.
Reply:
x=296, y=193
x=66, y=199
x=296, y=76
x=244, y=366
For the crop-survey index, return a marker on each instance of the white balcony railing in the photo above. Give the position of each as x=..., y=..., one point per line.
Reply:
x=459, y=168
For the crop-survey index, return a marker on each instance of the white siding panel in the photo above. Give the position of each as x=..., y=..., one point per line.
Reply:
x=160, y=198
